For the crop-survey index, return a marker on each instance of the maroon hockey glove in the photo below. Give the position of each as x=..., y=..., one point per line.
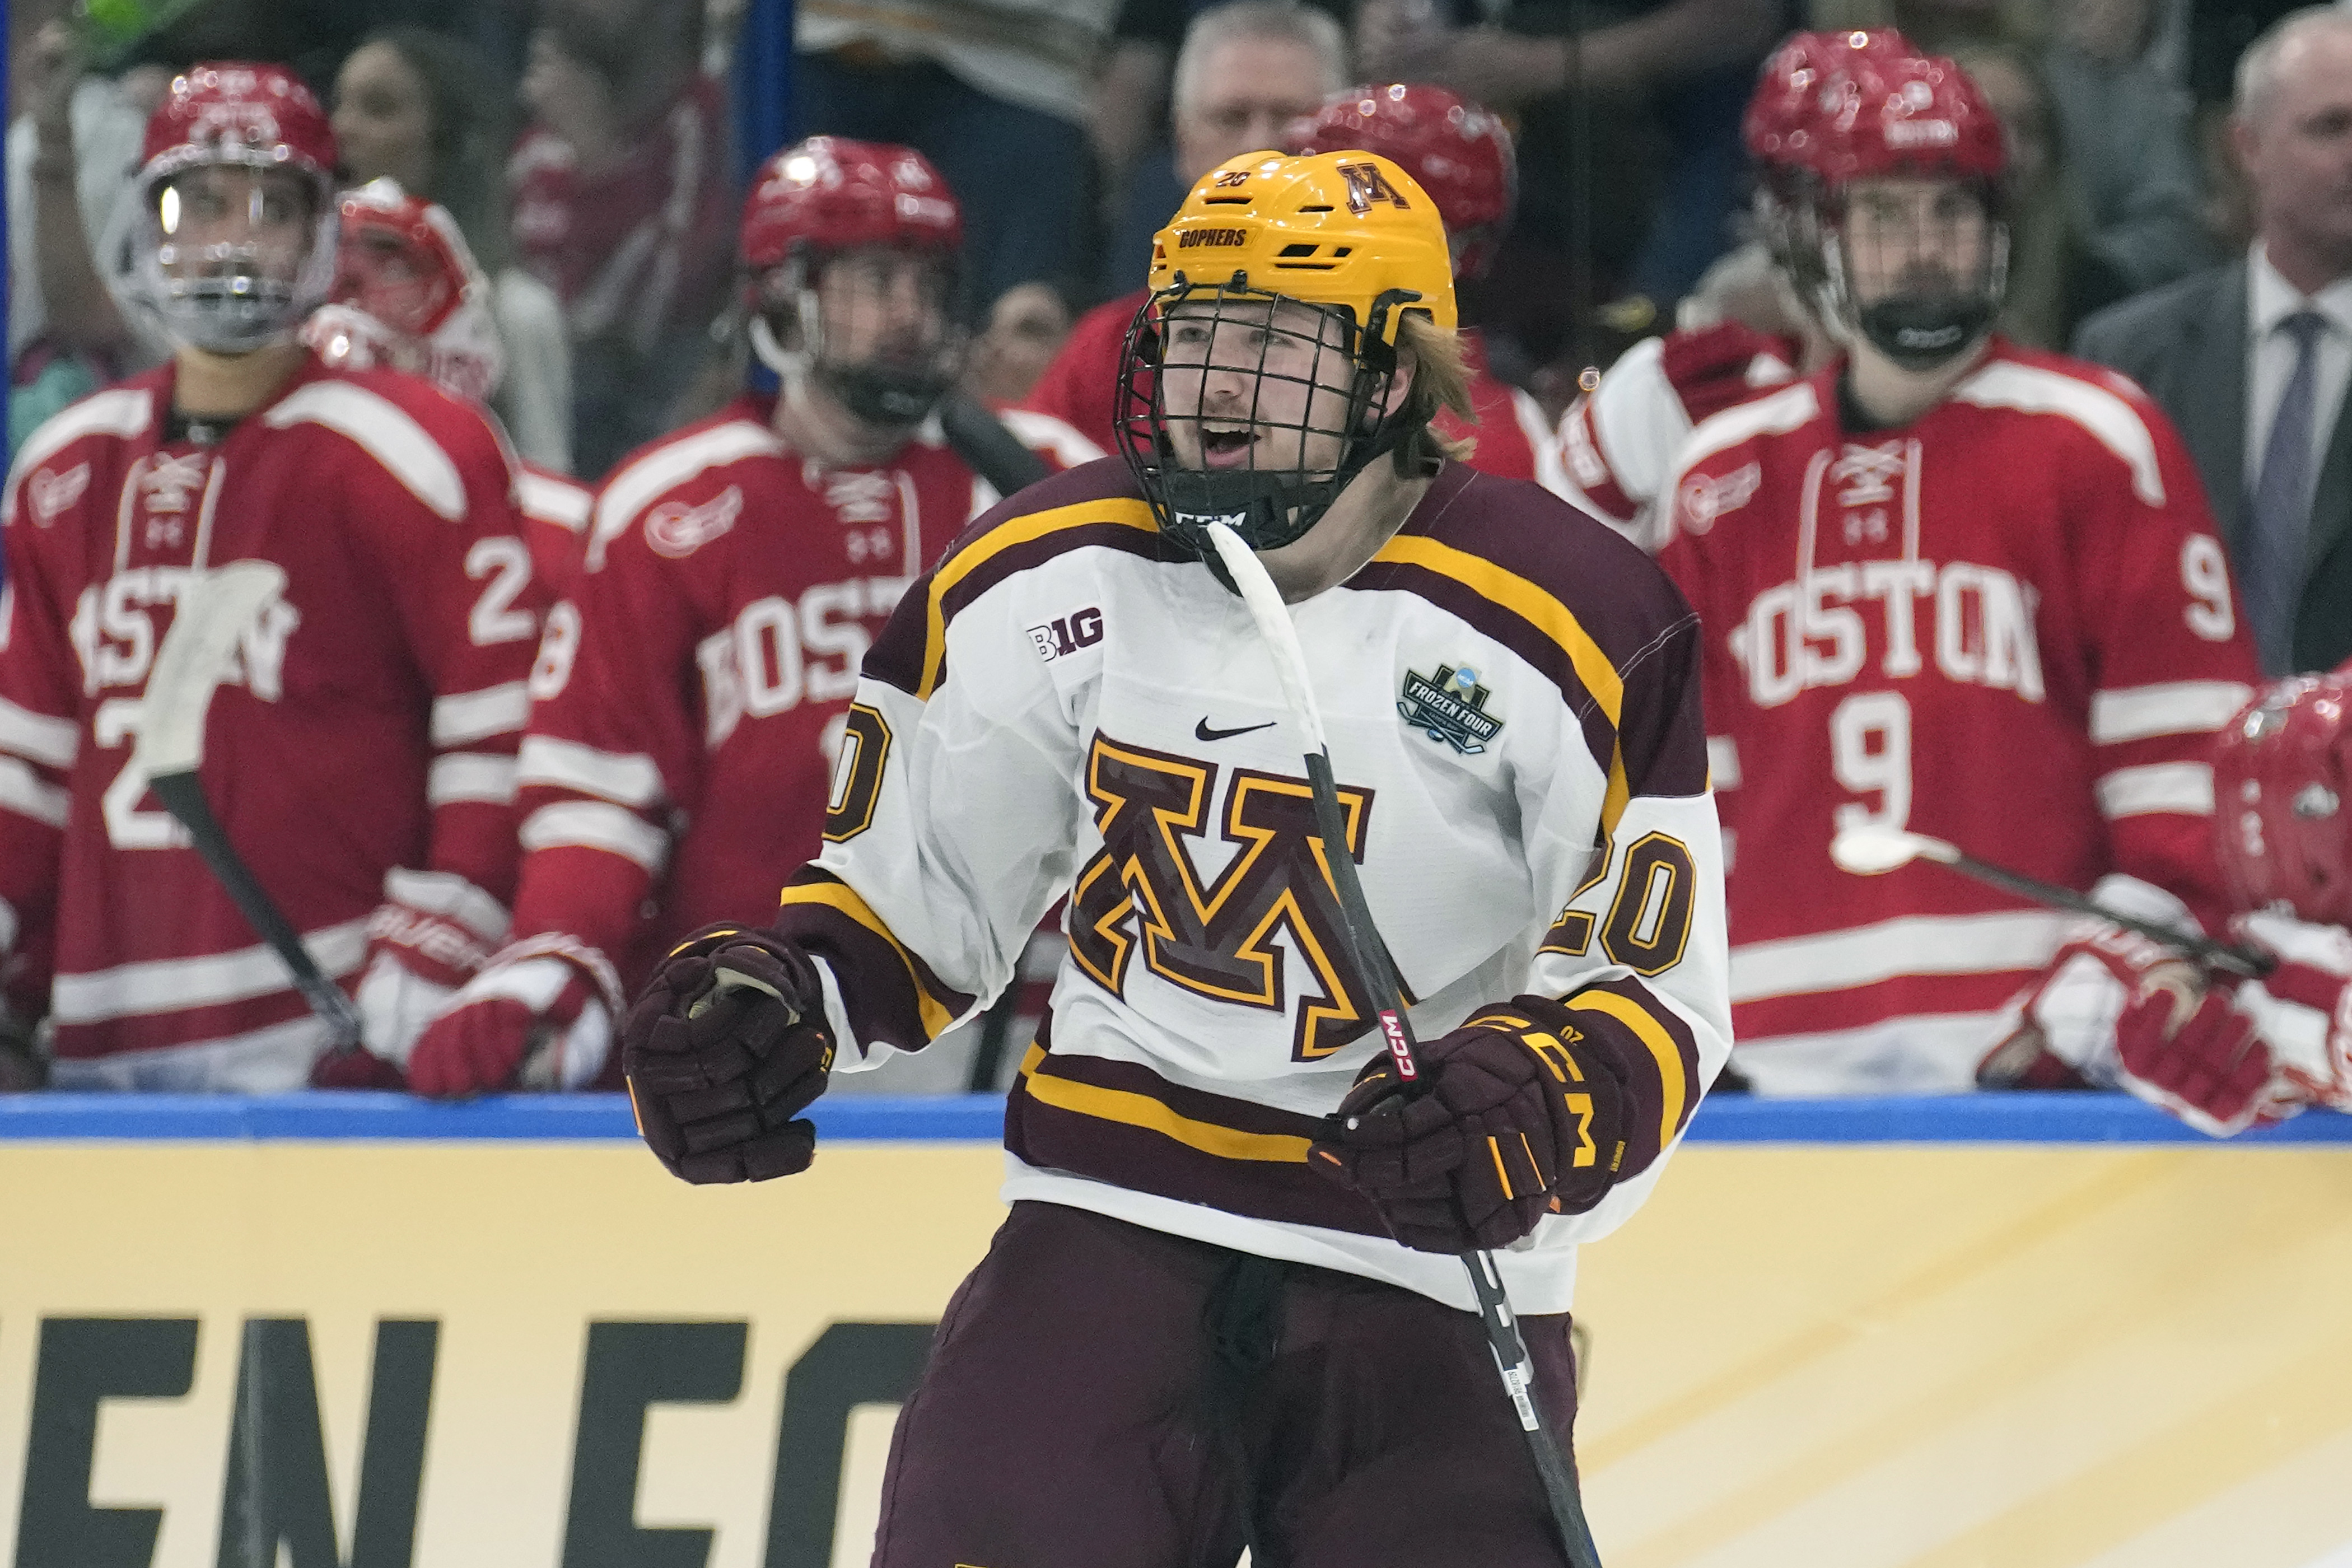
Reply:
x=725, y=1048
x=2195, y=1054
x=357, y=1068
x=1521, y=1115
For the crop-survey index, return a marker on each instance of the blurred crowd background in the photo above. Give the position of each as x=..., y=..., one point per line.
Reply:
x=588, y=149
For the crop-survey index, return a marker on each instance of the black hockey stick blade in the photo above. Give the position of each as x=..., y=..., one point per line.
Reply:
x=215, y=608
x=994, y=453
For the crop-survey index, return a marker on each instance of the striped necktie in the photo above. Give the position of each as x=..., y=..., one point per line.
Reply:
x=2279, y=516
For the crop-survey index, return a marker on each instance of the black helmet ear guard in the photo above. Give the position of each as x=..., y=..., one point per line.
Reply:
x=1267, y=506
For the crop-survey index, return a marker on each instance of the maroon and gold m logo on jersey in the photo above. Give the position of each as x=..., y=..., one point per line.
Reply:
x=1367, y=185
x=1218, y=940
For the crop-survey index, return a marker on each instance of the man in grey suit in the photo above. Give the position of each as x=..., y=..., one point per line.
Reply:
x=2250, y=359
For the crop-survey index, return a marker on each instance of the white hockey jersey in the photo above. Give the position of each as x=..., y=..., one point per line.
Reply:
x=1064, y=705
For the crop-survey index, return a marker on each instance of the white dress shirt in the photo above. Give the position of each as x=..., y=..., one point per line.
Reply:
x=2270, y=358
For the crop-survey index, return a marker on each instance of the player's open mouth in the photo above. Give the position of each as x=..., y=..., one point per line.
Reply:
x=1226, y=448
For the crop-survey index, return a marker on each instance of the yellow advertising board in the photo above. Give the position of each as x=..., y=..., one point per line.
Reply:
x=385, y=1340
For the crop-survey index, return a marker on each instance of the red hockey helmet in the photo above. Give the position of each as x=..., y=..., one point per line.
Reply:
x=1909, y=114
x=2282, y=787
x=408, y=294
x=225, y=285
x=1458, y=151
x=1800, y=86
x=829, y=193
x=829, y=196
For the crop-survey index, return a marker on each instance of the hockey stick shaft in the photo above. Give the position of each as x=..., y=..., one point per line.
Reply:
x=1503, y=1340
x=183, y=797
x=2225, y=956
x=993, y=452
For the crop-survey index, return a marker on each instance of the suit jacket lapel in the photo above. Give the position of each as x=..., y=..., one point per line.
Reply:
x=2331, y=502
x=2214, y=400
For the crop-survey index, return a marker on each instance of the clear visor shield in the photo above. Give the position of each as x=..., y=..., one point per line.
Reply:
x=1917, y=267
x=1243, y=407
x=877, y=325
x=238, y=253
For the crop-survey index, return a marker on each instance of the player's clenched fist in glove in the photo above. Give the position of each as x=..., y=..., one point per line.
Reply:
x=1520, y=1113
x=539, y=1016
x=726, y=1046
x=433, y=932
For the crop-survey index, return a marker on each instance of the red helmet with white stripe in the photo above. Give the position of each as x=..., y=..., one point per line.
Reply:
x=830, y=200
x=2282, y=799
x=236, y=190
x=1457, y=151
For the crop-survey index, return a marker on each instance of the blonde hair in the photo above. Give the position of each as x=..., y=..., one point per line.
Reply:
x=1441, y=379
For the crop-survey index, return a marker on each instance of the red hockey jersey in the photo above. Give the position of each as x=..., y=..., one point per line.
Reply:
x=2009, y=626
x=371, y=721
x=683, y=726
x=1617, y=443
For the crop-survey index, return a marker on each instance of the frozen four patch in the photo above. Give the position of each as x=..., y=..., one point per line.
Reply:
x=1450, y=706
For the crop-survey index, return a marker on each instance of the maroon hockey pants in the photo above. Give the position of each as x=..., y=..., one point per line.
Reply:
x=1079, y=1413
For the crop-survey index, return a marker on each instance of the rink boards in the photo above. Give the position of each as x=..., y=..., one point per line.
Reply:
x=2037, y=1332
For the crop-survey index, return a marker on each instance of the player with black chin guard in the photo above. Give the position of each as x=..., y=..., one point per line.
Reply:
x=1225, y=1308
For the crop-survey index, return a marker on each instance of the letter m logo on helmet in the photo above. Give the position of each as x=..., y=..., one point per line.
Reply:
x=1367, y=185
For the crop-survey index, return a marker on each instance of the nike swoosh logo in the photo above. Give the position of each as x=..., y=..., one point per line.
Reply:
x=1201, y=732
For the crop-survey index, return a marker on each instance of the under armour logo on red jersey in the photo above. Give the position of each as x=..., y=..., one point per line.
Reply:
x=168, y=481
x=52, y=493
x=861, y=497
x=675, y=531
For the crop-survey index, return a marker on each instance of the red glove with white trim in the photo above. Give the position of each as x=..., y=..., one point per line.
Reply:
x=1521, y=1114
x=2303, y=1009
x=2061, y=1031
x=432, y=933
x=2185, y=1047
x=537, y=1018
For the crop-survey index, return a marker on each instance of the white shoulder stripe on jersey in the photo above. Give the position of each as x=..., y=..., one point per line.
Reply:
x=39, y=737
x=1638, y=420
x=23, y=793
x=1910, y=945
x=593, y=825
x=546, y=498
x=447, y=893
x=631, y=780
x=2032, y=389
x=2184, y=787
x=1044, y=433
x=1723, y=762
x=465, y=717
x=1543, y=440
x=384, y=430
x=122, y=413
x=470, y=775
x=2174, y=708
x=635, y=487
x=176, y=984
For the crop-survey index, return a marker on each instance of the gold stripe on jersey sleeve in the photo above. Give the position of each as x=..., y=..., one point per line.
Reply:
x=1548, y=616
x=1523, y=599
x=1120, y=510
x=844, y=898
x=1143, y=1110
x=1647, y=1030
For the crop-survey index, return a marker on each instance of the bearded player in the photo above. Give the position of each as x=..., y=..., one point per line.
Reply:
x=686, y=716
x=360, y=752
x=1618, y=441
x=1225, y=1308
x=1951, y=585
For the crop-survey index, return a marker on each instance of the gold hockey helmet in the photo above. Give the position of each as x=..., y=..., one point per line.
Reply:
x=1350, y=237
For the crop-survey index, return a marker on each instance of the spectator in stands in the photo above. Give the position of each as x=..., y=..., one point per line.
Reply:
x=2250, y=358
x=993, y=91
x=71, y=155
x=410, y=106
x=618, y=200
x=1247, y=70
x=1026, y=328
x=1664, y=82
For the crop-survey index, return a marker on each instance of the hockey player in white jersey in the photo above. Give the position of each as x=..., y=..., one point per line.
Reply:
x=1223, y=1310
